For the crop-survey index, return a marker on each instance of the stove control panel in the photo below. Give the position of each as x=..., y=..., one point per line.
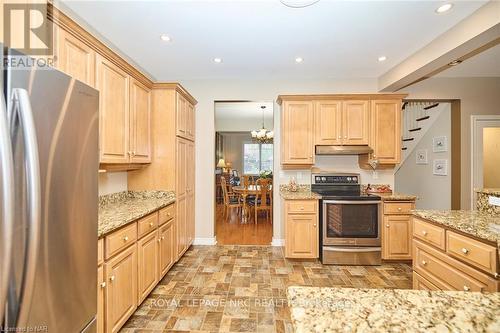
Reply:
x=332, y=179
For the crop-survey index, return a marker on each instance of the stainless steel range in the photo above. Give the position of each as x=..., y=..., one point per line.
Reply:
x=350, y=221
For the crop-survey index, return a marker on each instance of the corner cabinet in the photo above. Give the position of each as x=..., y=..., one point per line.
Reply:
x=301, y=228
x=297, y=136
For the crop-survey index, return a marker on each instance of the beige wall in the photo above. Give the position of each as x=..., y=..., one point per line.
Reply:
x=111, y=182
x=233, y=148
x=209, y=91
x=479, y=96
x=491, y=157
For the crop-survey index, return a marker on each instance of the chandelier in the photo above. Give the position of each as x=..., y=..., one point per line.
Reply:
x=262, y=135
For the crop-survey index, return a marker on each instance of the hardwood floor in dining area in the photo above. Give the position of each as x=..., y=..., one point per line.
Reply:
x=231, y=231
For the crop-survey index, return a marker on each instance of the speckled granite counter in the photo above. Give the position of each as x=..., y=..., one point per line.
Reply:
x=396, y=197
x=490, y=191
x=478, y=224
x=381, y=310
x=303, y=193
x=482, y=200
x=119, y=209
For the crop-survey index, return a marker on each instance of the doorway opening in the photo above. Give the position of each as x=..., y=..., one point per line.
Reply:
x=485, y=154
x=243, y=164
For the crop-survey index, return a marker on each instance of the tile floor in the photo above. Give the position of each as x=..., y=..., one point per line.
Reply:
x=243, y=289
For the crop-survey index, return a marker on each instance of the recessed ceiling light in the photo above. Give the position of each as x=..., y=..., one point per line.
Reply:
x=444, y=8
x=298, y=3
x=455, y=62
x=382, y=58
x=165, y=38
x=218, y=60
x=299, y=60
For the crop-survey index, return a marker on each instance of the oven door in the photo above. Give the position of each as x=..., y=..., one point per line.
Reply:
x=351, y=222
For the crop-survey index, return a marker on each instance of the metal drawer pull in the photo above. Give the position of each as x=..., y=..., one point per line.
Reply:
x=125, y=238
x=387, y=225
x=151, y=224
x=464, y=250
x=466, y=288
x=103, y=284
x=112, y=278
x=399, y=208
x=424, y=233
x=424, y=262
x=162, y=237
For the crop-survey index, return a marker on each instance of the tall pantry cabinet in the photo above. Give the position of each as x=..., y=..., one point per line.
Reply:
x=172, y=162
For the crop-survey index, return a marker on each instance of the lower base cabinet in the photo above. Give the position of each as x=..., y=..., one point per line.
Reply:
x=397, y=230
x=121, y=290
x=166, y=247
x=147, y=249
x=301, y=229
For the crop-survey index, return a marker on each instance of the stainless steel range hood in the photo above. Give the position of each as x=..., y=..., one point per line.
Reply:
x=343, y=150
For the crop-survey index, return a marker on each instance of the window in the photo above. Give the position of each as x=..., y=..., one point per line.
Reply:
x=257, y=158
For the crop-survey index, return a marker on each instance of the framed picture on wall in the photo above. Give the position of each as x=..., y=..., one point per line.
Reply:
x=440, y=167
x=421, y=156
x=439, y=144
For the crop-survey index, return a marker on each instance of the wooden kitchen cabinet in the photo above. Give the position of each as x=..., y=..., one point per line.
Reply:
x=297, y=133
x=190, y=126
x=301, y=229
x=140, y=122
x=181, y=226
x=328, y=122
x=75, y=58
x=101, y=288
x=147, y=272
x=166, y=238
x=185, y=118
x=121, y=290
x=397, y=230
x=190, y=203
x=385, y=137
x=355, y=122
x=113, y=86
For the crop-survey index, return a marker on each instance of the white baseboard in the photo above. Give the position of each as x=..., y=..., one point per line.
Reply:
x=277, y=242
x=205, y=241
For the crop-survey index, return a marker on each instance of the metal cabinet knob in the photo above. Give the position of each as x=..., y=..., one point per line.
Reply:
x=314, y=225
x=466, y=288
x=340, y=137
x=345, y=137
x=112, y=278
x=465, y=251
x=162, y=237
x=159, y=240
x=424, y=233
x=103, y=284
x=151, y=224
x=168, y=214
x=125, y=238
x=399, y=208
x=387, y=225
x=424, y=262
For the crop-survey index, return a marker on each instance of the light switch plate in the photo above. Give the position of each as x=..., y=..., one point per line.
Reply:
x=495, y=201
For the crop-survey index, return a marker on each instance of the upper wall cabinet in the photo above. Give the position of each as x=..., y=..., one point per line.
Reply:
x=75, y=58
x=386, y=131
x=140, y=123
x=185, y=118
x=355, y=123
x=297, y=136
x=328, y=122
x=113, y=86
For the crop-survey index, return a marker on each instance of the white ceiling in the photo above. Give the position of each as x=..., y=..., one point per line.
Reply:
x=484, y=64
x=261, y=39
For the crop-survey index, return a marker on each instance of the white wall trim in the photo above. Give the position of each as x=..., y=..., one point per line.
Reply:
x=205, y=241
x=278, y=242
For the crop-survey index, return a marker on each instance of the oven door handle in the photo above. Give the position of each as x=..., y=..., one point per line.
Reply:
x=350, y=202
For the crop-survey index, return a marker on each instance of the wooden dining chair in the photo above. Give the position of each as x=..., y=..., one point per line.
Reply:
x=263, y=199
x=231, y=200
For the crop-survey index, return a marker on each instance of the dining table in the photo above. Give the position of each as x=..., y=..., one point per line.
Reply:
x=245, y=192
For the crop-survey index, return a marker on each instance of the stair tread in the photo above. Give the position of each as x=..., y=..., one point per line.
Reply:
x=409, y=139
x=431, y=106
x=415, y=129
x=423, y=118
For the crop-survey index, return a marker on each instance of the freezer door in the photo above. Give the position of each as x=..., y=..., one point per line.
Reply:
x=63, y=297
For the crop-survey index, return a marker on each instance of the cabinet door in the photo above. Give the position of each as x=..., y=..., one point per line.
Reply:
x=166, y=247
x=355, y=129
x=190, y=121
x=140, y=122
x=75, y=58
x=386, y=131
x=328, y=122
x=113, y=86
x=147, y=271
x=181, y=225
x=181, y=116
x=396, y=237
x=190, y=214
x=121, y=291
x=182, y=167
x=301, y=236
x=101, y=287
x=297, y=133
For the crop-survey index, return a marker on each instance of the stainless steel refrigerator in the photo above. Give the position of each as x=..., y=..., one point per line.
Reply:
x=49, y=200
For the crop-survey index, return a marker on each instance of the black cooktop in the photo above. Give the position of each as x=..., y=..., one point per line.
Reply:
x=347, y=192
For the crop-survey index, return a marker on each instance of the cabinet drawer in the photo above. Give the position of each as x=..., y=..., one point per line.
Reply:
x=147, y=224
x=421, y=283
x=474, y=252
x=302, y=206
x=447, y=273
x=398, y=207
x=167, y=214
x=120, y=239
x=100, y=251
x=429, y=232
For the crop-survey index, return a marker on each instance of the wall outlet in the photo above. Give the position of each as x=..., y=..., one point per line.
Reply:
x=495, y=201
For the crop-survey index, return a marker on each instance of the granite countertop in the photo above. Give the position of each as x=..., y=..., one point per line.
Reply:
x=316, y=309
x=481, y=225
x=491, y=191
x=303, y=193
x=396, y=197
x=119, y=209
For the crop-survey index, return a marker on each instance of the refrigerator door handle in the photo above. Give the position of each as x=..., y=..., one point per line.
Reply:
x=7, y=195
x=22, y=103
